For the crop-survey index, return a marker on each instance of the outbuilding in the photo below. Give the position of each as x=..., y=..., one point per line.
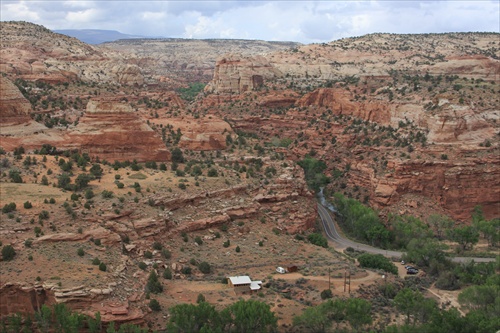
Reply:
x=243, y=284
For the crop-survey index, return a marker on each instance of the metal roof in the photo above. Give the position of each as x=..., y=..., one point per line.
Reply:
x=245, y=279
x=255, y=285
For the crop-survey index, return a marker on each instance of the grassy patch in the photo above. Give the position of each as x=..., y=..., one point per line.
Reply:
x=138, y=175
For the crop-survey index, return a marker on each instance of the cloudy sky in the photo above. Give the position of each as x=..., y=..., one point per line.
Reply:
x=300, y=21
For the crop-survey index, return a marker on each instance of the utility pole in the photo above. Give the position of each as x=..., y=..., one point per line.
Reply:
x=329, y=284
x=349, y=281
x=344, y=279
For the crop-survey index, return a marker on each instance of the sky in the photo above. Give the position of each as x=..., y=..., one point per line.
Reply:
x=299, y=21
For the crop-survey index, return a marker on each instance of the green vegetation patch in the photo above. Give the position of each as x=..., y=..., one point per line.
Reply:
x=138, y=175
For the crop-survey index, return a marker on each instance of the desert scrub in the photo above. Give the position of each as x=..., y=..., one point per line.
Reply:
x=8, y=252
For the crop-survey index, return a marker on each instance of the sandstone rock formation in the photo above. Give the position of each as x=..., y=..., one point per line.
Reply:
x=455, y=186
x=15, y=120
x=14, y=108
x=26, y=300
x=340, y=101
x=33, y=52
x=111, y=130
x=205, y=133
x=236, y=74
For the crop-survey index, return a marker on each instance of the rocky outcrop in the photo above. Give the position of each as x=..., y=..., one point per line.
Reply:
x=204, y=223
x=176, y=203
x=15, y=298
x=26, y=300
x=459, y=124
x=457, y=187
x=33, y=52
x=128, y=74
x=340, y=101
x=236, y=74
x=107, y=237
x=15, y=121
x=205, y=133
x=111, y=130
x=14, y=108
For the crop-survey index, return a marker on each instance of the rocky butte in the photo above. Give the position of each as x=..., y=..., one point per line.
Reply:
x=112, y=130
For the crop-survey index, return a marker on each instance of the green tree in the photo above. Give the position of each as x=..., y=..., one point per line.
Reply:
x=96, y=170
x=63, y=181
x=167, y=274
x=187, y=318
x=441, y=225
x=325, y=294
x=102, y=266
x=200, y=299
x=314, y=319
x=198, y=240
x=15, y=176
x=153, y=285
x=43, y=318
x=251, y=316
x=65, y=320
x=10, y=207
x=196, y=171
x=406, y=228
x=377, y=261
x=359, y=221
x=15, y=322
x=424, y=252
x=318, y=239
x=212, y=172
x=82, y=181
x=490, y=230
x=477, y=214
x=484, y=298
x=177, y=155
x=204, y=267
x=8, y=252
x=379, y=236
x=358, y=313
x=89, y=194
x=466, y=237
x=154, y=305
x=407, y=302
x=95, y=324
x=313, y=172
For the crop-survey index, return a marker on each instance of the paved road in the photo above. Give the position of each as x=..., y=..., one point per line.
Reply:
x=334, y=236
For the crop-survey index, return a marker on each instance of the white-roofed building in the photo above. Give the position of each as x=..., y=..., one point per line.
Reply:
x=243, y=284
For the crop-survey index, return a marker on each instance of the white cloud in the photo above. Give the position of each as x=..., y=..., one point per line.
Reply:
x=153, y=16
x=79, y=4
x=84, y=16
x=18, y=11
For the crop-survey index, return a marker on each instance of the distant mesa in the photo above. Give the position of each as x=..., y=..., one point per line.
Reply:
x=97, y=36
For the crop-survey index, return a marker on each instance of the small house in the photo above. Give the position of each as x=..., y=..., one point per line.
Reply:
x=243, y=284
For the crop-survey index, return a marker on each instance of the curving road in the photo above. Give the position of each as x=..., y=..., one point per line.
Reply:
x=334, y=236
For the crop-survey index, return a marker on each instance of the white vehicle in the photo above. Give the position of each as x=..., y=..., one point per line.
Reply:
x=280, y=270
